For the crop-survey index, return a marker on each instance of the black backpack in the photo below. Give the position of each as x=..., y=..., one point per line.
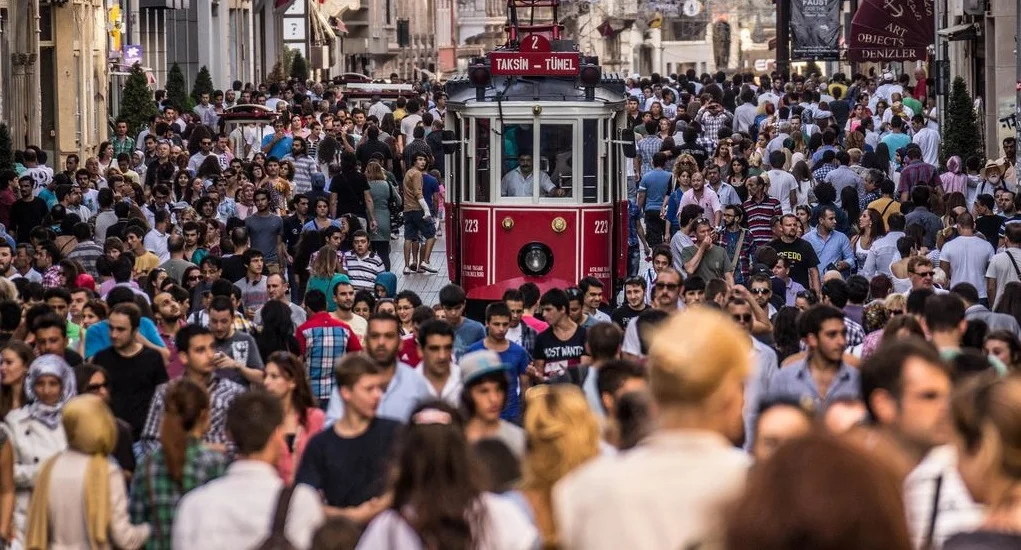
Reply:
x=277, y=539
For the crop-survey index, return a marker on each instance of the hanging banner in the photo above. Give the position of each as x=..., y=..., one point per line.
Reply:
x=891, y=30
x=815, y=30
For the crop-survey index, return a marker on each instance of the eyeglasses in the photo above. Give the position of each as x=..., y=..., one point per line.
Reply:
x=194, y=277
x=923, y=274
x=896, y=312
x=760, y=291
x=744, y=317
x=93, y=388
x=667, y=286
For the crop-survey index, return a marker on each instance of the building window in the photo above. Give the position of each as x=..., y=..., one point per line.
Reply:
x=389, y=12
x=46, y=23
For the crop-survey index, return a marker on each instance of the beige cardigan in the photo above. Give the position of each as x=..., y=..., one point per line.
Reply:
x=67, y=507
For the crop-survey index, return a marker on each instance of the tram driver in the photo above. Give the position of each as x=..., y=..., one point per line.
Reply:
x=518, y=182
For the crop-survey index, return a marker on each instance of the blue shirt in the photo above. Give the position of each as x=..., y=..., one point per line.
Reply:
x=833, y=249
x=430, y=186
x=656, y=185
x=281, y=149
x=405, y=392
x=516, y=359
x=795, y=382
x=97, y=338
x=467, y=334
x=894, y=142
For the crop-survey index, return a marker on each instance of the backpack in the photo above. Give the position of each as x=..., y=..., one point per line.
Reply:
x=277, y=539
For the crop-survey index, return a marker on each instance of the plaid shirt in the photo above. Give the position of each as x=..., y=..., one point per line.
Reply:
x=647, y=147
x=241, y=324
x=917, y=173
x=154, y=495
x=51, y=278
x=322, y=340
x=711, y=125
x=728, y=241
x=126, y=145
x=221, y=394
x=823, y=171
x=855, y=333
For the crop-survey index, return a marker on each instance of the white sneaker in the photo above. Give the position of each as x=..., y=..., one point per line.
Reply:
x=425, y=267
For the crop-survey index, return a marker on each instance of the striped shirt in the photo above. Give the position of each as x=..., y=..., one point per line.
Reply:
x=363, y=271
x=760, y=218
x=304, y=167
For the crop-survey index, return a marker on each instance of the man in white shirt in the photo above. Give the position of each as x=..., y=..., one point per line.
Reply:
x=744, y=115
x=519, y=181
x=236, y=510
x=965, y=257
x=442, y=376
x=927, y=139
x=782, y=185
x=1004, y=267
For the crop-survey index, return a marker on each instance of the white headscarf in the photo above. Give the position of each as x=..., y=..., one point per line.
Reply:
x=49, y=365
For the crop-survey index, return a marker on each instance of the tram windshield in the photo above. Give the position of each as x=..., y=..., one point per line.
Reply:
x=529, y=160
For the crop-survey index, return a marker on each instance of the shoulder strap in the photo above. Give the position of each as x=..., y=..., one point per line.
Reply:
x=887, y=207
x=930, y=533
x=1013, y=262
x=737, y=251
x=280, y=514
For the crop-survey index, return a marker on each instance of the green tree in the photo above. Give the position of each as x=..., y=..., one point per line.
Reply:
x=299, y=67
x=177, y=89
x=960, y=124
x=137, y=105
x=203, y=85
x=6, y=148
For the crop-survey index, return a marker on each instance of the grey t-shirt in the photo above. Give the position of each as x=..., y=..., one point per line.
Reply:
x=714, y=265
x=242, y=348
x=264, y=233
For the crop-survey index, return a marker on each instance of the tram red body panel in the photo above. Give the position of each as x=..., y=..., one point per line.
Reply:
x=491, y=237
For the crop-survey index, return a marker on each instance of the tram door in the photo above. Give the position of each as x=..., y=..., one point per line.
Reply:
x=456, y=161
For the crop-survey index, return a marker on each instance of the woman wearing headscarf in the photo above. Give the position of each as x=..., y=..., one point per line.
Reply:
x=954, y=180
x=98, y=518
x=35, y=430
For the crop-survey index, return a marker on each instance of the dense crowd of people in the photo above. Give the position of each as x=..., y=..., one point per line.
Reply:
x=202, y=336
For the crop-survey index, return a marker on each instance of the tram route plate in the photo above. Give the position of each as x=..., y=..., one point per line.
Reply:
x=534, y=63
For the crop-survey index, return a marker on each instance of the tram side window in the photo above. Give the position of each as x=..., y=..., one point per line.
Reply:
x=482, y=160
x=590, y=161
x=556, y=143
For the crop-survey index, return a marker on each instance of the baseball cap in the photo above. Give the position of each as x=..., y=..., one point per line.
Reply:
x=477, y=364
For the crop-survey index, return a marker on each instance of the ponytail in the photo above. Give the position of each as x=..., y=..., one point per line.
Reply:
x=186, y=403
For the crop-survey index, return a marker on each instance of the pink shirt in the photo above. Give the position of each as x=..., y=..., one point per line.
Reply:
x=709, y=202
x=536, y=324
x=288, y=461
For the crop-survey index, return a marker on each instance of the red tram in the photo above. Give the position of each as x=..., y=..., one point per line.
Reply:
x=536, y=145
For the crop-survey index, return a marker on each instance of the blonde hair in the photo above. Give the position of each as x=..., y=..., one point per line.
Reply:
x=374, y=172
x=896, y=301
x=562, y=434
x=325, y=264
x=693, y=354
x=92, y=430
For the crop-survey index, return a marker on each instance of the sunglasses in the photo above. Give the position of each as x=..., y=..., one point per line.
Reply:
x=760, y=291
x=667, y=286
x=744, y=317
x=194, y=277
x=923, y=274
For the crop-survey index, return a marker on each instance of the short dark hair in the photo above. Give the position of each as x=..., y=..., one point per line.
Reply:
x=57, y=292
x=435, y=327
x=603, y=341
x=188, y=333
x=555, y=297
x=131, y=311
x=857, y=289
x=248, y=255
x=497, y=309
x=452, y=296
x=220, y=303
x=530, y=294
x=882, y=370
x=614, y=374
x=252, y=419
x=811, y=321
x=943, y=312
x=915, y=303
x=49, y=320
x=315, y=301
x=588, y=282
x=410, y=295
x=836, y=291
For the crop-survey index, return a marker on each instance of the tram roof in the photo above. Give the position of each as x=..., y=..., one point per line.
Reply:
x=610, y=90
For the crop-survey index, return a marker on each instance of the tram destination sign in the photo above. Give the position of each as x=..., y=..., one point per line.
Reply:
x=534, y=63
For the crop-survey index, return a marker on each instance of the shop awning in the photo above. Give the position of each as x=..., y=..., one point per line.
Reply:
x=891, y=30
x=965, y=31
x=322, y=32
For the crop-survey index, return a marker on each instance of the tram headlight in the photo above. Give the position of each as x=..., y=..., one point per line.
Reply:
x=535, y=259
